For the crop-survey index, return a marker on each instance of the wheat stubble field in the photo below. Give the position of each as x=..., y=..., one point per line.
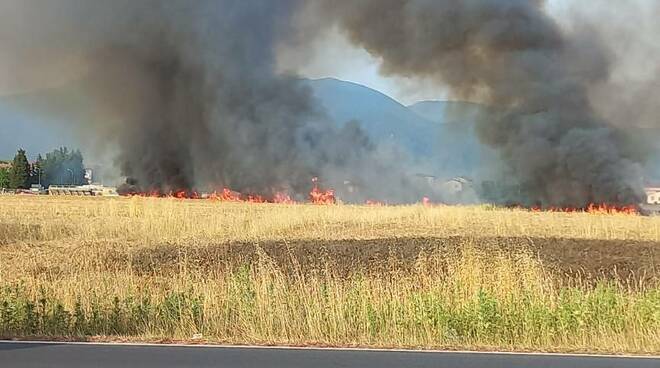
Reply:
x=411, y=276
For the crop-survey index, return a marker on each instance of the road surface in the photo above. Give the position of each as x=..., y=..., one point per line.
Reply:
x=56, y=355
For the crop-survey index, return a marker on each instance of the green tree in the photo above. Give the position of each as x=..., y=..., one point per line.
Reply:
x=19, y=175
x=62, y=167
x=37, y=170
x=4, y=178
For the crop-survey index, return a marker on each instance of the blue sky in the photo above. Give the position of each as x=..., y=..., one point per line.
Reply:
x=17, y=131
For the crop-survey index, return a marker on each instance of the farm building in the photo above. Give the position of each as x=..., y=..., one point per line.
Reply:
x=457, y=185
x=652, y=195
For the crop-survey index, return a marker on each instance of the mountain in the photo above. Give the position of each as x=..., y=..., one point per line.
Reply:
x=440, y=133
x=383, y=118
x=458, y=149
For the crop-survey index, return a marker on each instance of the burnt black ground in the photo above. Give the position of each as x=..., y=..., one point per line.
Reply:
x=591, y=259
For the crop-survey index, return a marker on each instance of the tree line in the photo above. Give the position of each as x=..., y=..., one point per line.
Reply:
x=60, y=167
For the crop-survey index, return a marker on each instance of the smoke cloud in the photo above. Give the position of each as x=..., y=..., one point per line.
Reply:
x=188, y=90
x=512, y=56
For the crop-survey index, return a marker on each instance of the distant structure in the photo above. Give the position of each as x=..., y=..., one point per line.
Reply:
x=83, y=190
x=89, y=175
x=457, y=190
x=5, y=165
x=457, y=185
x=431, y=180
x=652, y=195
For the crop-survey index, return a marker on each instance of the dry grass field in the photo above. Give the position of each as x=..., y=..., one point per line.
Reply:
x=408, y=276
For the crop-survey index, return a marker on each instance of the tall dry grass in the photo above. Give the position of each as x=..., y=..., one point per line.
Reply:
x=149, y=220
x=61, y=276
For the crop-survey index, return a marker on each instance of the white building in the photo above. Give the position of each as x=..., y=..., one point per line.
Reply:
x=89, y=175
x=457, y=185
x=652, y=195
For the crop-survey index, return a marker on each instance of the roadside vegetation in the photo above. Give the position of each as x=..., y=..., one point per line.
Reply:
x=410, y=276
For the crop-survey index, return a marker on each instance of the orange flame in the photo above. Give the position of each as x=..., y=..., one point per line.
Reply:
x=283, y=198
x=324, y=197
x=593, y=208
x=318, y=196
x=609, y=209
x=426, y=201
x=255, y=198
x=226, y=195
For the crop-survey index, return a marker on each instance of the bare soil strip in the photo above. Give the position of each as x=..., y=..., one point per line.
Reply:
x=590, y=258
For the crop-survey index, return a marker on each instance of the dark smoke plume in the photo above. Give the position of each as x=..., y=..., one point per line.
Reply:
x=511, y=55
x=188, y=92
x=199, y=103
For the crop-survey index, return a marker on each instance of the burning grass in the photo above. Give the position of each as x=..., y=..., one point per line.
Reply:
x=411, y=276
x=317, y=195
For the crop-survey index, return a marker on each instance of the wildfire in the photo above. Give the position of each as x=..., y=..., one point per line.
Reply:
x=183, y=194
x=316, y=195
x=596, y=209
x=179, y=194
x=283, y=198
x=226, y=195
x=319, y=196
x=608, y=209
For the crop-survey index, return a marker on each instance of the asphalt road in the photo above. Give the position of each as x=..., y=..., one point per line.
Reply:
x=55, y=355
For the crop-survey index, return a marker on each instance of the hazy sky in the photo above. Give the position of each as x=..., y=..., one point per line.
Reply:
x=335, y=57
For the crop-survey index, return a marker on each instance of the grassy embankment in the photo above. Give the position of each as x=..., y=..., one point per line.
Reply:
x=456, y=277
